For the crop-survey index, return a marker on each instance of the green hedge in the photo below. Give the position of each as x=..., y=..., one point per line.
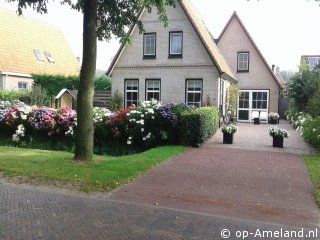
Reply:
x=11, y=95
x=54, y=83
x=198, y=125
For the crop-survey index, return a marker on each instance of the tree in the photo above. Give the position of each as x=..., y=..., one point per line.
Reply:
x=102, y=19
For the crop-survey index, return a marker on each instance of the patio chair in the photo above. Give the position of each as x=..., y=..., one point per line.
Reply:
x=264, y=117
x=255, y=116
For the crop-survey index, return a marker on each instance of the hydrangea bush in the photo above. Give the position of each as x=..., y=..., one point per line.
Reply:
x=229, y=129
x=140, y=127
x=306, y=125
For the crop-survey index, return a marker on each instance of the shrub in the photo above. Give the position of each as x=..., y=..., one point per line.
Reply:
x=14, y=95
x=116, y=102
x=198, y=125
x=102, y=83
x=54, y=83
x=38, y=96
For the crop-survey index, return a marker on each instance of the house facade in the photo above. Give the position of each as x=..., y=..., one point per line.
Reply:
x=259, y=86
x=29, y=46
x=179, y=63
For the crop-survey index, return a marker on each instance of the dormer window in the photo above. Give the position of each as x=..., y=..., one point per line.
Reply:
x=175, y=44
x=149, y=45
x=243, y=62
x=38, y=55
x=49, y=57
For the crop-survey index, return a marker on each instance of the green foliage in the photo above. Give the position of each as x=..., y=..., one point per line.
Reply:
x=102, y=83
x=313, y=165
x=38, y=96
x=116, y=102
x=314, y=106
x=233, y=92
x=104, y=174
x=197, y=126
x=54, y=83
x=304, y=86
x=23, y=96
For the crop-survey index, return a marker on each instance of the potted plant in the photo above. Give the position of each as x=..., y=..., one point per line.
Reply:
x=273, y=118
x=228, y=131
x=278, y=135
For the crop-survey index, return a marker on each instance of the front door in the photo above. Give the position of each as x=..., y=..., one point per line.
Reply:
x=252, y=100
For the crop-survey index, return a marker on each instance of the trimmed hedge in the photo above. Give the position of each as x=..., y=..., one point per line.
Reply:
x=198, y=125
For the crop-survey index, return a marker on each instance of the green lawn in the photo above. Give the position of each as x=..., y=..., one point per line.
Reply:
x=313, y=164
x=103, y=174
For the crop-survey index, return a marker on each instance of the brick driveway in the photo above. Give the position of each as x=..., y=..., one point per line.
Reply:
x=193, y=196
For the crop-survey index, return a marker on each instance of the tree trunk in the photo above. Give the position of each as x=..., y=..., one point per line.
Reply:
x=85, y=131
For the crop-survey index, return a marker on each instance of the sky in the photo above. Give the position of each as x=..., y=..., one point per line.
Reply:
x=282, y=29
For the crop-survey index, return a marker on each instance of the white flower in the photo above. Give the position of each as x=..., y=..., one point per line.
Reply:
x=129, y=142
x=129, y=138
x=144, y=138
x=142, y=129
x=142, y=115
x=152, y=117
x=313, y=130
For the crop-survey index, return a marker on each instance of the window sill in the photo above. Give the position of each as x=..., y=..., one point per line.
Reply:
x=242, y=71
x=175, y=56
x=149, y=57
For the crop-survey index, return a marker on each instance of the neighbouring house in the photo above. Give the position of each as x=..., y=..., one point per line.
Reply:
x=29, y=46
x=259, y=87
x=311, y=60
x=179, y=63
x=66, y=98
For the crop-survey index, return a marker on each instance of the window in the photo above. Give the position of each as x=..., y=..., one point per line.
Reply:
x=175, y=44
x=22, y=86
x=194, y=92
x=153, y=90
x=243, y=61
x=38, y=55
x=131, y=92
x=149, y=45
x=259, y=100
x=49, y=57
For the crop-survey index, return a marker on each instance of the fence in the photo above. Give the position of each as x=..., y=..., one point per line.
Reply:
x=101, y=98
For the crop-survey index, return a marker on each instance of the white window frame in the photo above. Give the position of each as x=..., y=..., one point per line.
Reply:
x=188, y=81
x=250, y=109
x=23, y=83
x=171, y=42
x=49, y=57
x=148, y=81
x=147, y=42
x=131, y=90
x=38, y=55
x=241, y=62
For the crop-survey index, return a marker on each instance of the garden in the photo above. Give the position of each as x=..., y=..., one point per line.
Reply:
x=37, y=142
x=304, y=114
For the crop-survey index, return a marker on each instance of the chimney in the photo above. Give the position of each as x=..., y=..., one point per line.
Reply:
x=273, y=66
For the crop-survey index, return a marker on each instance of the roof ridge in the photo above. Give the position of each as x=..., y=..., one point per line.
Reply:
x=235, y=15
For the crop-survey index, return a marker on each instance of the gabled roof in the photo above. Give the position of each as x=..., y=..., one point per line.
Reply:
x=20, y=36
x=73, y=93
x=235, y=15
x=205, y=37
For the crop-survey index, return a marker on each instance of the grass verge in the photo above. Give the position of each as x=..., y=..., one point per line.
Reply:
x=313, y=165
x=103, y=174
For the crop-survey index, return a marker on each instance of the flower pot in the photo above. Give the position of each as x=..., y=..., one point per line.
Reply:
x=256, y=121
x=278, y=142
x=273, y=121
x=227, y=138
